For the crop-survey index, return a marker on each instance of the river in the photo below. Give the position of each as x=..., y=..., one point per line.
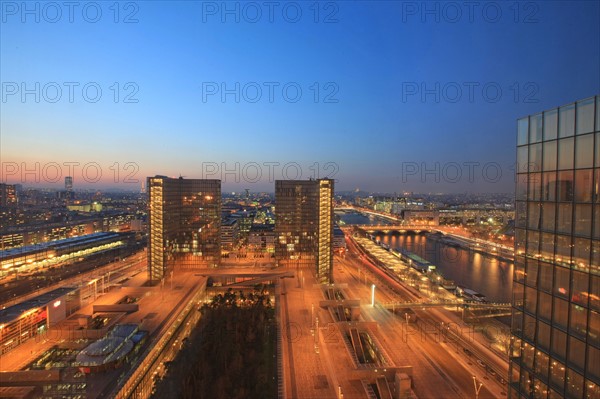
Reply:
x=482, y=273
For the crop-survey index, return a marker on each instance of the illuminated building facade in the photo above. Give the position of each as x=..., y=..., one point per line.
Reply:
x=8, y=195
x=184, y=225
x=18, y=236
x=555, y=351
x=27, y=319
x=304, y=225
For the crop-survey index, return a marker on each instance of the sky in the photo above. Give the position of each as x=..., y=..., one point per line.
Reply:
x=389, y=96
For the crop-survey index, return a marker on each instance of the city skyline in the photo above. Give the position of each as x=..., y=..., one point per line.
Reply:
x=383, y=75
x=300, y=199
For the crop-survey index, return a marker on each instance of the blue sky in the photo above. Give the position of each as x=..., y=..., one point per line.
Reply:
x=372, y=59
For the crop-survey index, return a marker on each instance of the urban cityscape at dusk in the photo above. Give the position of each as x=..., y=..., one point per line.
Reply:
x=326, y=199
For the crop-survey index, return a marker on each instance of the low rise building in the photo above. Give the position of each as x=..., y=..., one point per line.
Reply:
x=262, y=237
x=229, y=233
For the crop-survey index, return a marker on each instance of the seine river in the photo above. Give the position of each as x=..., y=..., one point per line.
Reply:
x=484, y=274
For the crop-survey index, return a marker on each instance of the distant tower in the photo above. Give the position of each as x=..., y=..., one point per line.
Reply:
x=69, y=183
x=143, y=188
x=247, y=196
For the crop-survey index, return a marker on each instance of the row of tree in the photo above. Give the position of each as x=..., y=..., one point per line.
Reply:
x=230, y=354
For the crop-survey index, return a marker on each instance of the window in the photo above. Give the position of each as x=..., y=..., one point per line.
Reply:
x=534, y=215
x=535, y=189
x=565, y=153
x=578, y=324
x=557, y=371
x=550, y=124
x=595, y=293
x=583, y=185
x=522, y=131
x=583, y=220
x=563, y=250
x=545, y=308
x=514, y=374
x=533, y=242
x=546, y=277
x=561, y=288
x=564, y=222
x=596, y=225
x=521, y=214
x=529, y=328
x=535, y=128
x=579, y=287
x=598, y=113
x=566, y=121
x=532, y=272
x=584, y=147
x=518, y=290
x=597, y=150
x=519, y=241
x=559, y=343
x=519, y=272
x=541, y=361
x=535, y=158
x=516, y=323
x=530, y=300
x=550, y=155
x=549, y=186
x=574, y=384
x=521, y=192
x=565, y=186
x=522, y=158
x=543, y=335
x=585, y=116
x=593, y=362
x=594, y=333
x=548, y=216
x=581, y=254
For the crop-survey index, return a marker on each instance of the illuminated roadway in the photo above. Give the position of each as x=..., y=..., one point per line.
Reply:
x=427, y=336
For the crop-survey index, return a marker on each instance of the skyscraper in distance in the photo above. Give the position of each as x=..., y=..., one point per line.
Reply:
x=184, y=222
x=8, y=195
x=555, y=345
x=69, y=183
x=304, y=225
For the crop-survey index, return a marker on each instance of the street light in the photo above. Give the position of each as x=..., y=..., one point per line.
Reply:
x=477, y=388
x=372, y=294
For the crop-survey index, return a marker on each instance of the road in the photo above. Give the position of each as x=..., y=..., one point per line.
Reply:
x=436, y=346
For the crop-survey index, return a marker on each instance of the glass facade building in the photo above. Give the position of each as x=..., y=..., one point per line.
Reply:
x=184, y=225
x=555, y=349
x=304, y=225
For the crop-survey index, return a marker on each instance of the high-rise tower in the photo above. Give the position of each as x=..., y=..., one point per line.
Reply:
x=184, y=223
x=304, y=225
x=555, y=329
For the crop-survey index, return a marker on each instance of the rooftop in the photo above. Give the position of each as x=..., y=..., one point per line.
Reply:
x=12, y=313
x=58, y=244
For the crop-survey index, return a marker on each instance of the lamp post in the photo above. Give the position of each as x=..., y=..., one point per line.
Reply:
x=317, y=335
x=477, y=388
x=312, y=317
x=372, y=294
